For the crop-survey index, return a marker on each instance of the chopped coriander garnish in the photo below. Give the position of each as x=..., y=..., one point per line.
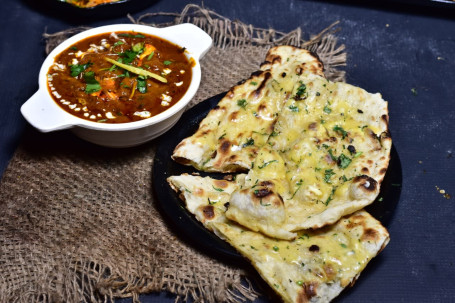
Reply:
x=344, y=161
x=276, y=248
x=249, y=142
x=299, y=184
x=127, y=56
x=274, y=134
x=328, y=173
x=211, y=202
x=73, y=48
x=92, y=84
x=242, y=103
x=141, y=85
x=262, y=204
x=294, y=108
x=358, y=154
x=340, y=130
x=330, y=198
x=266, y=163
x=327, y=109
x=253, y=83
x=343, y=245
x=345, y=179
x=118, y=43
x=301, y=92
x=77, y=69
x=334, y=158
x=217, y=189
x=167, y=62
x=304, y=236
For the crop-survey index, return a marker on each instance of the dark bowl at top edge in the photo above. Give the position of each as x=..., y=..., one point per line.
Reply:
x=69, y=12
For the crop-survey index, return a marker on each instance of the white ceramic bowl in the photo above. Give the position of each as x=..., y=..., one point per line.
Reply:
x=45, y=114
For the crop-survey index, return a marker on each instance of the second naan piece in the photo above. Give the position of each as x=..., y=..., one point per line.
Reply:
x=315, y=267
x=326, y=158
x=230, y=136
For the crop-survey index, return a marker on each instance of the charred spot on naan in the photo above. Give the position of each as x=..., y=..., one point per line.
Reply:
x=308, y=291
x=363, y=187
x=208, y=212
x=368, y=234
x=257, y=93
x=265, y=196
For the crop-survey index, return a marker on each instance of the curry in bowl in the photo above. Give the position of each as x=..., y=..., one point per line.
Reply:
x=119, y=77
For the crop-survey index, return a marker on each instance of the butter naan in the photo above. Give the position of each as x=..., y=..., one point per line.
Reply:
x=314, y=267
x=230, y=136
x=326, y=158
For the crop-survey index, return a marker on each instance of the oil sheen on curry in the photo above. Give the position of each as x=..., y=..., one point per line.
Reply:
x=119, y=77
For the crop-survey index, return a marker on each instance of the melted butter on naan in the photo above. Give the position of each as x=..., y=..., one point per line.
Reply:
x=230, y=136
x=326, y=157
x=315, y=267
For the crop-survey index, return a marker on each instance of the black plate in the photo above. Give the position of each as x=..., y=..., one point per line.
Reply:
x=192, y=230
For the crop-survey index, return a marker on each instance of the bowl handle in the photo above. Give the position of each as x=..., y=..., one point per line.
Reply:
x=192, y=37
x=43, y=115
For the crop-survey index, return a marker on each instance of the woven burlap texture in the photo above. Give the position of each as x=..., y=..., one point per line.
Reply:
x=79, y=222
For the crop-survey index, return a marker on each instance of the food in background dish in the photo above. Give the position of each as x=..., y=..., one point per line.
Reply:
x=119, y=77
x=89, y=3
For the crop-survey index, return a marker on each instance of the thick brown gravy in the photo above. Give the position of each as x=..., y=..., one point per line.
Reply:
x=84, y=83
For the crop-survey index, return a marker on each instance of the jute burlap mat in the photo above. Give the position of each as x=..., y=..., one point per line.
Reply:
x=79, y=222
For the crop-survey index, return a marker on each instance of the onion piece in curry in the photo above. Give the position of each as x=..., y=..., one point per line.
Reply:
x=119, y=77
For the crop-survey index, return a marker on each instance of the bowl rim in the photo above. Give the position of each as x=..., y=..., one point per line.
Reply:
x=164, y=33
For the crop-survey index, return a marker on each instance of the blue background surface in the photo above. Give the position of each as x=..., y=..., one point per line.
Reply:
x=392, y=48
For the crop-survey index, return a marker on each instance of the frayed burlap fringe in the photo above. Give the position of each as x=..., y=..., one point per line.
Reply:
x=228, y=33
x=79, y=224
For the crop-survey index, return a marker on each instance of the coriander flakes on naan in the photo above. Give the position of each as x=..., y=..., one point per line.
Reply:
x=229, y=137
x=315, y=267
x=326, y=158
